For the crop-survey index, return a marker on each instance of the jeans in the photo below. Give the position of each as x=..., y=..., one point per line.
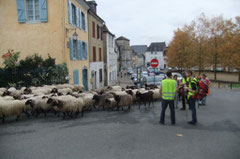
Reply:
x=165, y=103
x=192, y=106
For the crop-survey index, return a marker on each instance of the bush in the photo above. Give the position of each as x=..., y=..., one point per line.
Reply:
x=32, y=71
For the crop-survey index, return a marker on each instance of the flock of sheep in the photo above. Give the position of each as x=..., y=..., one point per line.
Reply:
x=70, y=100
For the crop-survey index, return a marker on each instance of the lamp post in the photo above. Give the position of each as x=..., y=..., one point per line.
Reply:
x=75, y=35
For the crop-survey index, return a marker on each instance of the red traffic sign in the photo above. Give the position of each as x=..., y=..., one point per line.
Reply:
x=154, y=63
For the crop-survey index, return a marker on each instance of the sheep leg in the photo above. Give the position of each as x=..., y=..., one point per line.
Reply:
x=139, y=105
x=82, y=112
x=18, y=117
x=129, y=107
x=64, y=114
x=76, y=114
x=71, y=115
x=28, y=115
x=122, y=108
x=3, y=119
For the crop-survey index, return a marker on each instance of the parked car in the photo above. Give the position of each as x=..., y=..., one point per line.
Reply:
x=150, y=80
x=144, y=73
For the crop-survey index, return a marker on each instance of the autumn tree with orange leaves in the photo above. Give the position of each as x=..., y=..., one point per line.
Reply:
x=206, y=43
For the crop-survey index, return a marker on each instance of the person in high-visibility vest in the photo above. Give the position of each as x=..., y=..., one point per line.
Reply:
x=168, y=92
x=192, y=95
x=185, y=82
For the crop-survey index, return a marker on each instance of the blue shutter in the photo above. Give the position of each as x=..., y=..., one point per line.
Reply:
x=86, y=51
x=80, y=19
x=77, y=18
x=76, y=77
x=85, y=79
x=71, y=49
x=43, y=12
x=79, y=50
x=69, y=12
x=21, y=11
x=85, y=23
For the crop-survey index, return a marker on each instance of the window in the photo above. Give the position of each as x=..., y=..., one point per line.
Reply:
x=75, y=49
x=100, y=75
x=100, y=54
x=98, y=32
x=83, y=21
x=94, y=53
x=74, y=16
x=33, y=10
x=84, y=49
x=93, y=29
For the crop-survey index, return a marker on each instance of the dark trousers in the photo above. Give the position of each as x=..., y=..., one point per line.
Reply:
x=192, y=106
x=165, y=103
x=184, y=99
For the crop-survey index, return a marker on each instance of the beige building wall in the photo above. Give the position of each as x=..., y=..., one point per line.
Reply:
x=94, y=41
x=50, y=38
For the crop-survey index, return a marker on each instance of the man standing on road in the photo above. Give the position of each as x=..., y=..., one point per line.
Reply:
x=204, y=84
x=192, y=91
x=168, y=92
x=175, y=77
x=185, y=82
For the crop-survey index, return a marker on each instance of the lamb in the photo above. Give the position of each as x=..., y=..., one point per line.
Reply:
x=144, y=97
x=13, y=108
x=123, y=101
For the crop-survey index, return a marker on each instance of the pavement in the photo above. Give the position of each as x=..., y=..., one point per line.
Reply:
x=134, y=134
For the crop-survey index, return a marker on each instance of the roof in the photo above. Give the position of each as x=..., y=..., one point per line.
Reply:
x=105, y=29
x=157, y=46
x=122, y=38
x=139, y=48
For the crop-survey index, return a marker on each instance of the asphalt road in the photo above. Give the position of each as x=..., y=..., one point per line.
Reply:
x=129, y=135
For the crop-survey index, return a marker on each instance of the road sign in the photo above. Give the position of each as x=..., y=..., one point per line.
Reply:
x=154, y=63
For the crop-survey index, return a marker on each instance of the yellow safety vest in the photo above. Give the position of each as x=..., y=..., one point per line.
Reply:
x=190, y=86
x=169, y=87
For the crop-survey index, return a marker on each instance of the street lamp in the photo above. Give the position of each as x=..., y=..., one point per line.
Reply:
x=75, y=35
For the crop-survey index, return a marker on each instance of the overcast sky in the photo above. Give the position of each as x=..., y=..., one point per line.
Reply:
x=146, y=21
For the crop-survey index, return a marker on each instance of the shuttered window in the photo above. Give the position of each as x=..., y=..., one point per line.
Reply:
x=94, y=54
x=100, y=75
x=33, y=10
x=75, y=49
x=100, y=54
x=93, y=29
x=74, y=16
x=83, y=18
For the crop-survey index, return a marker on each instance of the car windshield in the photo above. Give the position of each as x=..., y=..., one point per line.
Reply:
x=151, y=78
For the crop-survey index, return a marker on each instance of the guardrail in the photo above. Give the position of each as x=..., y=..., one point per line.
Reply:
x=231, y=84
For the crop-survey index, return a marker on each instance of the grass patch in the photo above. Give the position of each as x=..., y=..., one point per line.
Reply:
x=236, y=85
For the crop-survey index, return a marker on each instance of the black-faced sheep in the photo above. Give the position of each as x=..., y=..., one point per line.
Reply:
x=144, y=97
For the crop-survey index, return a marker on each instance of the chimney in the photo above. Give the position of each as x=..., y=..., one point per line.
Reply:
x=93, y=5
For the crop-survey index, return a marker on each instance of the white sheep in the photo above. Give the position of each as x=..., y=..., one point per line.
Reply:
x=41, y=91
x=13, y=108
x=156, y=94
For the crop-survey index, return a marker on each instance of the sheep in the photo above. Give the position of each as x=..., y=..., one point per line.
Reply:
x=88, y=102
x=156, y=94
x=6, y=98
x=132, y=87
x=123, y=101
x=62, y=91
x=27, y=91
x=13, y=92
x=114, y=88
x=41, y=91
x=101, y=99
x=13, y=108
x=67, y=105
x=151, y=86
x=78, y=88
x=2, y=90
x=144, y=97
x=110, y=103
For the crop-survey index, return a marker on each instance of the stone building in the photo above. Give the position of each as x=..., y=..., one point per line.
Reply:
x=125, y=53
x=138, y=51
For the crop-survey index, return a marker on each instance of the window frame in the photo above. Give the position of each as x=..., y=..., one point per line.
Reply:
x=34, y=12
x=100, y=54
x=94, y=54
x=75, y=49
x=100, y=75
x=74, y=14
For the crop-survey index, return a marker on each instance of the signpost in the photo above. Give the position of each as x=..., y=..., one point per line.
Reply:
x=154, y=64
